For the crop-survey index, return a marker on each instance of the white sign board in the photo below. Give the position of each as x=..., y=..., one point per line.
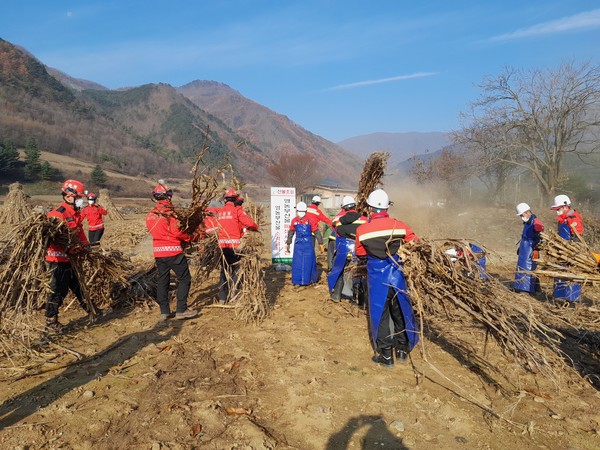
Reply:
x=283, y=202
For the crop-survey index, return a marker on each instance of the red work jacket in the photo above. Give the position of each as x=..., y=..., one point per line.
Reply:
x=232, y=221
x=164, y=228
x=573, y=219
x=313, y=210
x=373, y=237
x=93, y=214
x=72, y=217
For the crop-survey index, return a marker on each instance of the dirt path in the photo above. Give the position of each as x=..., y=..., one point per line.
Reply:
x=302, y=379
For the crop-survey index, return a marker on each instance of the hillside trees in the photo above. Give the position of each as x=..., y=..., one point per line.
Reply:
x=294, y=170
x=98, y=176
x=32, y=159
x=532, y=120
x=9, y=156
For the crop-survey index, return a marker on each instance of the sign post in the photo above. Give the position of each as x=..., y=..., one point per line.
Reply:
x=283, y=202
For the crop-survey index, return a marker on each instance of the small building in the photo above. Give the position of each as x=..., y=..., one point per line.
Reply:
x=331, y=196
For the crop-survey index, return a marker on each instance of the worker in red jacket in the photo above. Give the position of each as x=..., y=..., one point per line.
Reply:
x=570, y=228
x=232, y=221
x=167, y=238
x=93, y=213
x=392, y=320
x=313, y=211
x=63, y=277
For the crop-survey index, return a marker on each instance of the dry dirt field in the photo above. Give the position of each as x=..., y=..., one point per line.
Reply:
x=301, y=379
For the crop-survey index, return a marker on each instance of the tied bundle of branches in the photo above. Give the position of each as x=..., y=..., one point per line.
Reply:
x=443, y=289
x=140, y=286
x=208, y=258
x=112, y=212
x=250, y=291
x=15, y=209
x=204, y=190
x=101, y=273
x=370, y=178
x=567, y=260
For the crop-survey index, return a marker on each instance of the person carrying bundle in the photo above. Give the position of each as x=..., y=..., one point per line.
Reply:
x=63, y=276
x=570, y=228
x=233, y=222
x=304, y=259
x=93, y=213
x=167, y=239
x=319, y=216
x=345, y=226
x=392, y=321
x=528, y=250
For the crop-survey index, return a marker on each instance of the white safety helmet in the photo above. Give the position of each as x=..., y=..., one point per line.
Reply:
x=378, y=199
x=560, y=201
x=301, y=207
x=522, y=207
x=316, y=199
x=347, y=201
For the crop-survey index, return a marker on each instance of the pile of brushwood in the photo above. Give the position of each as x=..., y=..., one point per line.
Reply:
x=15, y=208
x=567, y=260
x=370, y=179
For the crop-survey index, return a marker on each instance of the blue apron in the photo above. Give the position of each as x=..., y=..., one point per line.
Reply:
x=526, y=282
x=343, y=246
x=304, y=261
x=481, y=262
x=565, y=290
x=381, y=275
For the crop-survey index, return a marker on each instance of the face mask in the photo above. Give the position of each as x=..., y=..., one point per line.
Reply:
x=525, y=219
x=301, y=213
x=78, y=203
x=559, y=212
x=91, y=202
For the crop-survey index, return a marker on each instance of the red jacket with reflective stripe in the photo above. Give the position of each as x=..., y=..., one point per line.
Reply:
x=73, y=218
x=314, y=210
x=373, y=237
x=233, y=220
x=164, y=228
x=93, y=214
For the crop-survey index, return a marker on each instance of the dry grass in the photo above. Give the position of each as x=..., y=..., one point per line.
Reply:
x=370, y=178
x=15, y=208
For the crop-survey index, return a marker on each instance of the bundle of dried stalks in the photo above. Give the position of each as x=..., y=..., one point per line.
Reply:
x=207, y=259
x=112, y=212
x=204, y=190
x=446, y=292
x=15, y=209
x=250, y=291
x=370, y=178
x=140, y=286
x=124, y=234
x=567, y=260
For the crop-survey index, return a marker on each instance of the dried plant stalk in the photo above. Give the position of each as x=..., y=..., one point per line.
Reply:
x=112, y=212
x=15, y=208
x=370, y=178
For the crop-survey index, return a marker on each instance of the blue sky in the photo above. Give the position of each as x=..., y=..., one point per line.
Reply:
x=337, y=68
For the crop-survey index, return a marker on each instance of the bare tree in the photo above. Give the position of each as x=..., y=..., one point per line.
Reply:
x=533, y=119
x=294, y=170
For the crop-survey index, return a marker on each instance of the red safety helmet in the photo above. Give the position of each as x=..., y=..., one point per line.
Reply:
x=91, y=196
x=74, y=188
x=231, y=193
x=162, y=192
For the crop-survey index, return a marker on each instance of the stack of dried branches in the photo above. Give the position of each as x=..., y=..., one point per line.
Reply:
x=250, y=291
x=208, y=257
x=370, y=178
x=112, y=212
x=445, y=291
x=204, y=190
x=567, y=260
x=15, y=209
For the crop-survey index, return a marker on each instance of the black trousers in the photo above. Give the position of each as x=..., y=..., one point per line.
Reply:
x=392, y=329
x=179, y=265
x=95, y=235
x=63, y=279
x=229, y=269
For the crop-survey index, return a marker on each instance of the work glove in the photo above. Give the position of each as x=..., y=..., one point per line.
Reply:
x=323, y=249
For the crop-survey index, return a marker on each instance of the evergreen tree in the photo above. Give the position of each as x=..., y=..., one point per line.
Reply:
x=46, y=171
x=32, y=159
x=98, y=176
x=9, y=156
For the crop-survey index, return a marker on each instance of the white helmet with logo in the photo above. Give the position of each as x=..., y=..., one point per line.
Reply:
x=560, y=201
x=347, y=201
x=316, y=199
x=378, y=199
x=301, y=207
x=522, y=207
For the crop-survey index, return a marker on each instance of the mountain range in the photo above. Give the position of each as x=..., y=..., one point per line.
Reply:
x=153, y=130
